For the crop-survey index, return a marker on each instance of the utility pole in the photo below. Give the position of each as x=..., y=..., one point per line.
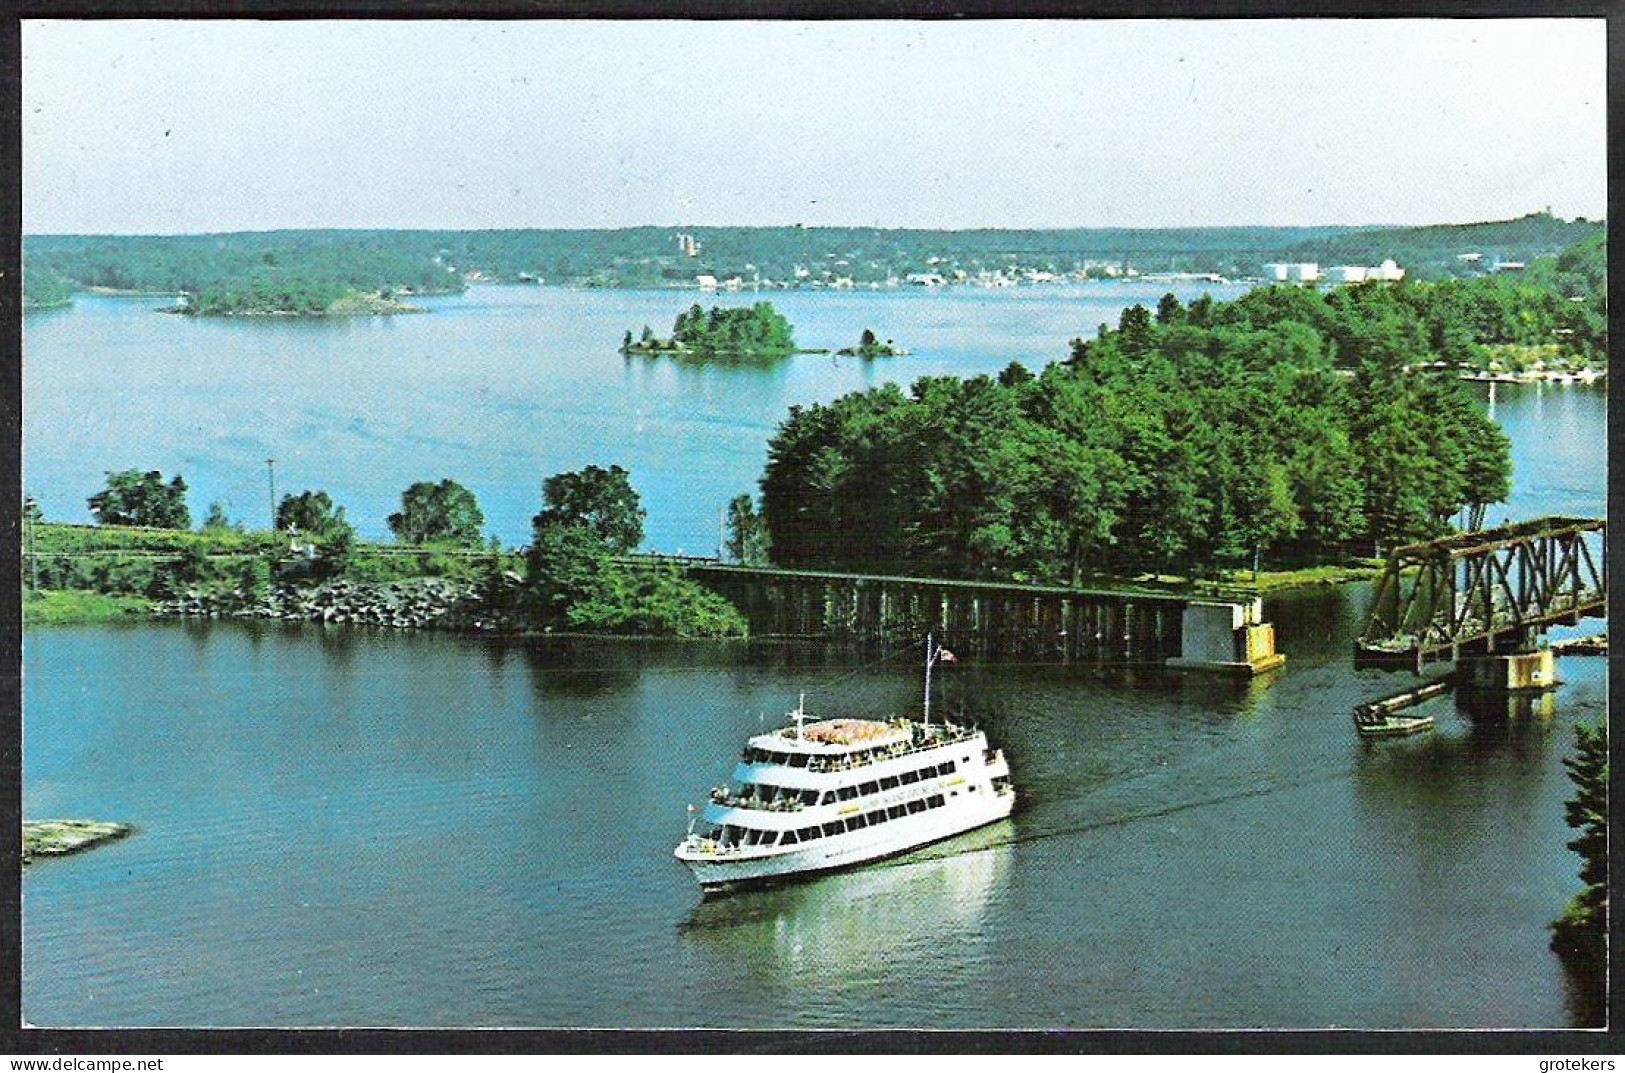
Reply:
x=30, y=505
x=270, y=469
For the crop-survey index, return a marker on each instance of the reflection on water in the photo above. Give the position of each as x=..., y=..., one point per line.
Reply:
x=827, y=929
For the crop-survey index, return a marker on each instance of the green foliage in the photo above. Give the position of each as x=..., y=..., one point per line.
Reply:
x=218, y=522
x=1188, y=441
x=1580, y=935
x=65, y=607
x=135, y=498
x=600, y=500
x=312, y=514
x=756, y=331
x=258, y=272
x=444, y=513
x=748, y=540
x=45, y=290
x=574, y=583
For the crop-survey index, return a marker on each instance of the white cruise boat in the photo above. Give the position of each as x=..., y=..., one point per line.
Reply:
x=816, y=796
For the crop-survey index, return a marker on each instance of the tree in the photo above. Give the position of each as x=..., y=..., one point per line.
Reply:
x=747, y=532
x=568, y=570
x=1169, y=311
x=135, y=498
x=1580, y=935
x=311, y=514
x=599, y=500
x=444, y=513
x=218, y=522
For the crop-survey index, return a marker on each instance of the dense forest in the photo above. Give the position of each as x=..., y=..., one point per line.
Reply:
x=419, y=262
x=1290, y=426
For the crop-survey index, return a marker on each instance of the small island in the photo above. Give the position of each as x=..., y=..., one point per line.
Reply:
x=869, y=346
x=759, y=331
x=58, y=838
x=292, y=298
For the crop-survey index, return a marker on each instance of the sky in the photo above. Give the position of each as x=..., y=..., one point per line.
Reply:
x=163, y=127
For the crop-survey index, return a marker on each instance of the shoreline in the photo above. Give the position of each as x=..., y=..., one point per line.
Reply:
x=61, y=838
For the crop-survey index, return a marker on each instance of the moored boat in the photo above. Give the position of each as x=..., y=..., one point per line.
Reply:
x=816, y=796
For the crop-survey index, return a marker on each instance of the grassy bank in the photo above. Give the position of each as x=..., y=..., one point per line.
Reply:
x=1309, y=577
x=55, y=607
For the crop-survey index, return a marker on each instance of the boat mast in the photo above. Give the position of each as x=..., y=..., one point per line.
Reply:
x=930, y=658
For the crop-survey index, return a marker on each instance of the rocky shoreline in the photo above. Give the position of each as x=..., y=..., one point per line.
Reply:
x=411, y=604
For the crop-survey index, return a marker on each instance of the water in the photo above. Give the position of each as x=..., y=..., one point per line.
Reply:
x=352, y=827
x=497, y=389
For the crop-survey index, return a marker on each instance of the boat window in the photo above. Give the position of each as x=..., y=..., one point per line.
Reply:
x=834, y=827
x=916, y=805
x=828, y=798
x=896, y=811
x=889, y=782
x=909, y=776
x=787, y=839
x=869, y=788
x=856, y=823
x=807, y=834
x=877, y=816
x=809, y=797
x=928, y=772
x=730, y=835
x=798, y=759
x=847, y=793
x=781, y=758
x=935, y=801
x=946, y=768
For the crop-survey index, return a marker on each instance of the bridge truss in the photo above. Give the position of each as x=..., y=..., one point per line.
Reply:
x=1487, y=588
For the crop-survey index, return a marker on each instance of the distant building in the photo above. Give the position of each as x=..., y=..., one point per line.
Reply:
x=1470, y=258
x=1387, y=272
x=1293, y=272
x=1507, y=266
x=706, y=283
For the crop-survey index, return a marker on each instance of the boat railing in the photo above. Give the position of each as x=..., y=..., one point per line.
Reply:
x=921, y=740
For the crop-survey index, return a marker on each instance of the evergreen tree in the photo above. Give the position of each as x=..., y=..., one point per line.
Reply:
x=1580, y=935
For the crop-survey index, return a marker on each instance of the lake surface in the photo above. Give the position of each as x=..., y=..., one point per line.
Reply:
x=354, y=827
x=497, y=389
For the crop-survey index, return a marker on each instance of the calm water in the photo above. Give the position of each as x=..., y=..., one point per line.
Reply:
x=497, y=389
x=376, y=828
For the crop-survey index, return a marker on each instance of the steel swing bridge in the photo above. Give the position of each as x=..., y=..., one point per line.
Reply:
x=1486, y=591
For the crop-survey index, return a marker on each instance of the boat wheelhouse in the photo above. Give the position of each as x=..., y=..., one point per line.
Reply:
x=816, y=796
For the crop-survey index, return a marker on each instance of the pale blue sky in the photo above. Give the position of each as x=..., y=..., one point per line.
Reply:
x=139, y=126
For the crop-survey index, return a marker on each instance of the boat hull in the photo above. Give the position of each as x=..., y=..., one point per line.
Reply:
x=718, y=872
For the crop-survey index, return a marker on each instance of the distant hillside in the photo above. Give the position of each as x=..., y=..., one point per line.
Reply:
x=424, y=261
x=1436, y=250
x=438, y=261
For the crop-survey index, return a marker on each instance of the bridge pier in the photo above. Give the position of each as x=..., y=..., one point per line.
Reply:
x=1513, y=672
x=1227, y=637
